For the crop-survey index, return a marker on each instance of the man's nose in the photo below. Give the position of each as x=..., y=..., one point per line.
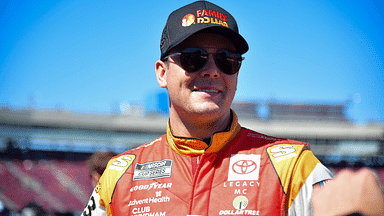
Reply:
x=210, y=69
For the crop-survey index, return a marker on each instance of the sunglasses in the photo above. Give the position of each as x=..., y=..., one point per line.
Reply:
x=193, y=59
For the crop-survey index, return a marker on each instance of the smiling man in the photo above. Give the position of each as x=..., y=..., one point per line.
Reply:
x=199, y=101
x=206, y=163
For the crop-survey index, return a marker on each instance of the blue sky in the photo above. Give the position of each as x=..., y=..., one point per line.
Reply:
x=86, y=56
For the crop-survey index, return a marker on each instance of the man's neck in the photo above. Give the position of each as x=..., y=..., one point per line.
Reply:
x=198, y=125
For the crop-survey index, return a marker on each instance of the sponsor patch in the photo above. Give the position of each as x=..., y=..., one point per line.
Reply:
x=188, y=20
x=153, y=170
x=154, y=185
x=283, y=152
x=244, y=167
x=204, y=16
x=240, y=204
x=150, y=200
x=121, y=163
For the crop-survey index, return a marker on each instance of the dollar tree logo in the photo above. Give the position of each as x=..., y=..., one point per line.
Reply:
x=240, y=202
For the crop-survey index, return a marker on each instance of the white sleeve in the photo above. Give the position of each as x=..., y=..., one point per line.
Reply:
x=301, y=206
x=93, y=207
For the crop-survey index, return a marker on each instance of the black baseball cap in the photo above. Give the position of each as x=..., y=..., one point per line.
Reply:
x=199, y=17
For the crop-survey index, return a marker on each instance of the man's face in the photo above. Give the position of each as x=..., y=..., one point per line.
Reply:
x=206, y=91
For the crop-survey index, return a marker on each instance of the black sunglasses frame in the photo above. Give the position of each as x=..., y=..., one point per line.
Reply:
x=193, y=59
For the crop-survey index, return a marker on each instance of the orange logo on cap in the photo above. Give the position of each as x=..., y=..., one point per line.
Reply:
x=188, y=20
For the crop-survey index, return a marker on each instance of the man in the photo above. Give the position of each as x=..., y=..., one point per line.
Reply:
x=206, y=163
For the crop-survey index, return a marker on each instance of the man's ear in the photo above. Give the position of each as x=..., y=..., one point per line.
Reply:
x=161, y=73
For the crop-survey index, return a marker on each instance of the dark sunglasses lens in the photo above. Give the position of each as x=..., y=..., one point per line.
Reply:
x=192, y=59
x=228, y=62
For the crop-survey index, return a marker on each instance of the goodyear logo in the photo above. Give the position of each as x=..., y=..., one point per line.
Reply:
x=204, y=16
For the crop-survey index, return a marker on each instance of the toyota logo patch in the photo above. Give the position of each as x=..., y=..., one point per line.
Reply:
x=244, y=166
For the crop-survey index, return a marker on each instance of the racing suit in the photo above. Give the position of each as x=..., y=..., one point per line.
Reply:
x=241, y=172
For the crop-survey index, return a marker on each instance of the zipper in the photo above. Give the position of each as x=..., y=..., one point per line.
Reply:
x=196, y=167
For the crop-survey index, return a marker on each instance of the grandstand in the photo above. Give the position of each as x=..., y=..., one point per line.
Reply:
x=43, y=152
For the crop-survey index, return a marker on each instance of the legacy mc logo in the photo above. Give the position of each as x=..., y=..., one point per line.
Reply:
x=244, y=167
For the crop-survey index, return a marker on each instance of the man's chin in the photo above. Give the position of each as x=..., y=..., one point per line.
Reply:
x=208, y=109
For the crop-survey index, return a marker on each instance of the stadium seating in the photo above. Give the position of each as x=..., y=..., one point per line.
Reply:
x=58, y=186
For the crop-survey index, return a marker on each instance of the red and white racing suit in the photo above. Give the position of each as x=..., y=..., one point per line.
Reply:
x=241, y=172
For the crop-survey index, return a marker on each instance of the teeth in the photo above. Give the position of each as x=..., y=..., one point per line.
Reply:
x=209, y=90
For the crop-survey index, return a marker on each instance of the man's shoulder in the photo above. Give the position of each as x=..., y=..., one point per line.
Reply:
x=149, y=145
x=118, y=164
x=270, y=141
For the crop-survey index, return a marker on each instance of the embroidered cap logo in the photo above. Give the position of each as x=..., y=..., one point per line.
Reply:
x=205, y=16
x=188, y=20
